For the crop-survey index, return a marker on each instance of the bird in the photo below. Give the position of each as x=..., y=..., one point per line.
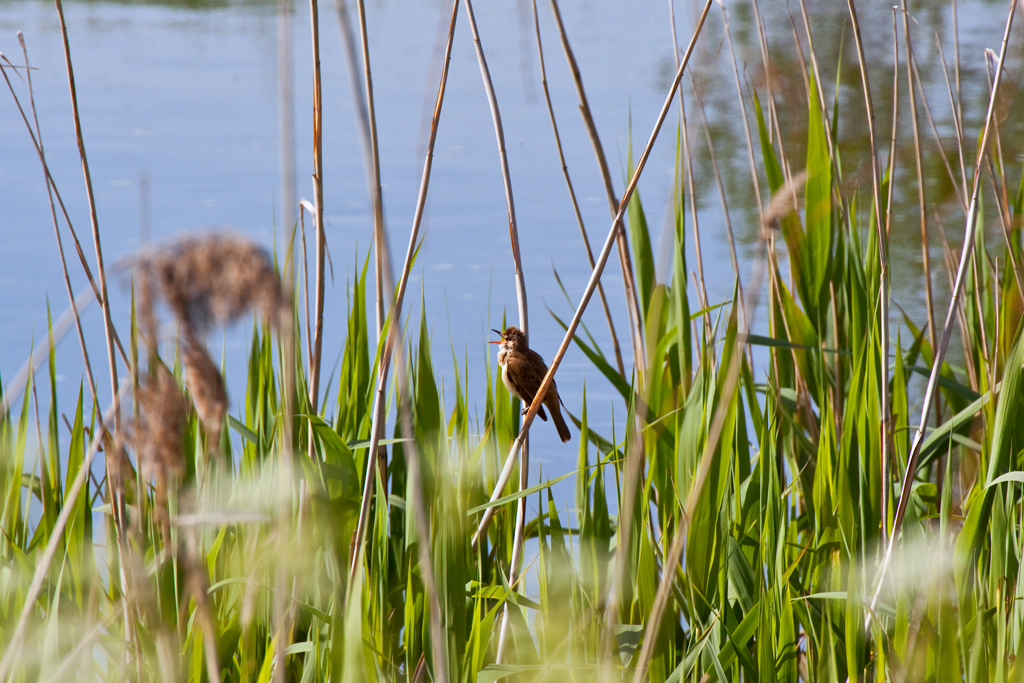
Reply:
x=522, y=370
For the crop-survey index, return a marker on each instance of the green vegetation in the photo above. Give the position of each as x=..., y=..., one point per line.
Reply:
x=736, y=530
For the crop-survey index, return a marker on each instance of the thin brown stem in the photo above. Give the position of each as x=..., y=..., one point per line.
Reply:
x=513, y=230
x=675, y=552
x=628, y=280
x=588, y=292
x=883, y=257
x=572, y=196
x=721, y=191
x=935, y=133
x=37, y=139
x=318, y=217
x=957, y=120
x=919, y=167
x=396, y=309
x=947, y=328
x=746, y=124
x=366, y=120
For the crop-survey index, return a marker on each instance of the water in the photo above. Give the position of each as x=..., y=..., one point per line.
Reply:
x=186, y=95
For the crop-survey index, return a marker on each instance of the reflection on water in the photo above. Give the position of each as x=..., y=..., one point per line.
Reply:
x=186, y=95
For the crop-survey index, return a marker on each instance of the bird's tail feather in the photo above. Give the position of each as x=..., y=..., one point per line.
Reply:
x=563, y=429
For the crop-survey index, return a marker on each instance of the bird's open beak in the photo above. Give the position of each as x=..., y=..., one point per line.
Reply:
x=499, y=334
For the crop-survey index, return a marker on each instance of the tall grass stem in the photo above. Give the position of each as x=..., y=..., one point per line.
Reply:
x=947, y=328
x=588, y=292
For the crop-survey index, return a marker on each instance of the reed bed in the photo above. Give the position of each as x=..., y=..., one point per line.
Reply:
x=788, y=506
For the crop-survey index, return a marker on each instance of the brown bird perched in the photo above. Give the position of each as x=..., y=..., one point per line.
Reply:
x=522, y=370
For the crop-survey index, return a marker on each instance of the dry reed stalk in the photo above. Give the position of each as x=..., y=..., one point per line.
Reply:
x=721, y=189
x=626, y=262
x=702, y=290
x=52, y=187
x=438, y=640
x=321, y=239
x=773, y=115
x=588, y=292
x=883, y=256
x=524, y=320
x=947, y=328
x=572, y=197
x=636, y=320
x=743, y=108
x=961, y=197
x=366, y=116
x=957, y=120
x=43, y=565
x=919, y=167
x=286, y=112
x=674, y=555
x=886, y=467
x=395, y=313
x=304, y=204
x=113, y=455
x=1001, y=192
x=366, y=119
x=37, y=139
x=108, y=324
x=675, y=551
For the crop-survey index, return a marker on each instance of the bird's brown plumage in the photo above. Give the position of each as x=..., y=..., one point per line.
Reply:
x=522, y=370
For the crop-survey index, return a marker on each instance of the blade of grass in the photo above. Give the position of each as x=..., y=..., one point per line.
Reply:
x=572, y=195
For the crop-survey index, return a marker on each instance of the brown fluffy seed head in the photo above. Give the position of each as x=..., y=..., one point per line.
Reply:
x=208, y=391
x=784, y=201
x=215, y=278
x=157, y=433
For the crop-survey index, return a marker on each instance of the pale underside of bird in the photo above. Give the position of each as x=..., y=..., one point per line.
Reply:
x=522, y=370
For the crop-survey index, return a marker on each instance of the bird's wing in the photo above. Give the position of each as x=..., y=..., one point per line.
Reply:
x=522, y=376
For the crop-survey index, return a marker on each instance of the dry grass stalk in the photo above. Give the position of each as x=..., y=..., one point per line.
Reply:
x=588, y=292
x=954, y=303
x=572, y=195
x=384, y=364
